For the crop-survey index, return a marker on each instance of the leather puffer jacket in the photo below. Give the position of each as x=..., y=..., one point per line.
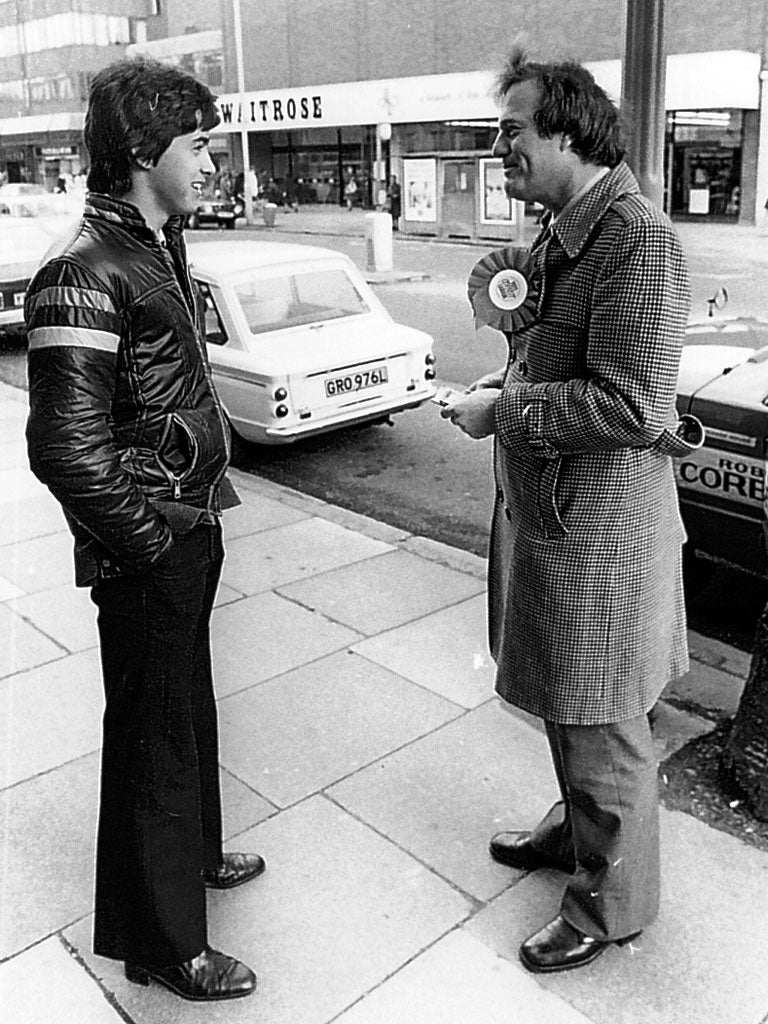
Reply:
x=124, y=418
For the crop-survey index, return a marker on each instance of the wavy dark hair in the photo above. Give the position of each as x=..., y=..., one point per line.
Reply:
x=571, y=103
x=136, y=108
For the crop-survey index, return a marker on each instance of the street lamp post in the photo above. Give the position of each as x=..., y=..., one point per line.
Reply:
x=642, y=94
x=247, y=176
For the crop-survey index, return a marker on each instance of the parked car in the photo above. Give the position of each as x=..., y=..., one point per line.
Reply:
x=724, y=382
x=216, y=209
x=299, y=344
x=24, y=241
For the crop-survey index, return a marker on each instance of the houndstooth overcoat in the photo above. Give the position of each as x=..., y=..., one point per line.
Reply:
x=586, y=614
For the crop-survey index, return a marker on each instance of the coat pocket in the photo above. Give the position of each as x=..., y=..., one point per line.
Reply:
x=549, y=513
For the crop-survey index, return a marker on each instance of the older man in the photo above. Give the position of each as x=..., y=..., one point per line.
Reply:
x=587, y=621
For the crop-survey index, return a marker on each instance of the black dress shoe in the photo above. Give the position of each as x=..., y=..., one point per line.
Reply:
x=235, y=869
x=514, y=849
x=561, y=947
x=210, y=975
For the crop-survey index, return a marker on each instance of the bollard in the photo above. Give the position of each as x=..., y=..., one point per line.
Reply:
x=378, y=234
x=269, y=212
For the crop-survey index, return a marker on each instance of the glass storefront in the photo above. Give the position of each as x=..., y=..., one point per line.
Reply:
x=703, y=163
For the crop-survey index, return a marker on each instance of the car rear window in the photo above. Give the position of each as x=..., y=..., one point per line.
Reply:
x=290, y=300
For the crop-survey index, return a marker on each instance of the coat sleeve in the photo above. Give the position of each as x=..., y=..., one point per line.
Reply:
x=634, y=342
x=73, y=330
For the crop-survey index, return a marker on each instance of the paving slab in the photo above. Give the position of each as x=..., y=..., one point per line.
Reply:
x=673, y=728
x=706, y=687
x=242, y=807
x=40, y=563
x=300, y=732
x=703, y=960
x=17, y=483
x=337, y=911
x=446, y=652
x=257, y=513
x=384, y=592
x=713, y=652
x=444, y=796
x=260, y=637
x=23, y=646
x=35, y=516
x=264, y=560
x=49, y=715
x=47, y=844
x=66, y=614
x=46, y=985
x=458, y=981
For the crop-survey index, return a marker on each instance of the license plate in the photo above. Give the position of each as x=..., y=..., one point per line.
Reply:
x=226, y=214
x=356, y=381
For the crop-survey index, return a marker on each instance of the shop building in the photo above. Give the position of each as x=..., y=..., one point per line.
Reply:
x=441, y=130
x=310, y=112
x=308, y=115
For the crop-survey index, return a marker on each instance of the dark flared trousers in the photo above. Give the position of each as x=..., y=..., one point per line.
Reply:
x=607, y=823
x=160, y=804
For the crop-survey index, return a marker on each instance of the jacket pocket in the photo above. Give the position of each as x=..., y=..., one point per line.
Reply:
x=188, y=447
x=551, y=520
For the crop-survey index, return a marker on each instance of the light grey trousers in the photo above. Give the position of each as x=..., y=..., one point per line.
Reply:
x=608, y=823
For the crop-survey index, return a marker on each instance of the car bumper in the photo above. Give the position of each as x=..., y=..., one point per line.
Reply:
x=287, y=433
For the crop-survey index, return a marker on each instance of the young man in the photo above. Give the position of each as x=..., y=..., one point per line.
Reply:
x=587, y=621
x=126, y=430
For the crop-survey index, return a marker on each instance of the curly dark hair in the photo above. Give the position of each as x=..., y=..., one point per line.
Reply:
x=136, y=108
x=571, y=103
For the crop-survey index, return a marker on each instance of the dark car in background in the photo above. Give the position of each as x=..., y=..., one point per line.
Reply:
x=216, y=209
x=724, y=382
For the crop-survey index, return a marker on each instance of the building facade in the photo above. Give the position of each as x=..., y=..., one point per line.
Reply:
x=317, y=92
x=423, y=71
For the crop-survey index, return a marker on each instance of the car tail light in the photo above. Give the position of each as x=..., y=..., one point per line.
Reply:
x=429, y=373
x=429, y=359
x=280, y=394
x=281, y=410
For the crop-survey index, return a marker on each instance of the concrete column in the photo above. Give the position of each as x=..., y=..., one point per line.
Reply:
x=642, y=94
x=761, y=177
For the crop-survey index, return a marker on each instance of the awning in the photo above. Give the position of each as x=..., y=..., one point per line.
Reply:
x=42, y=124
x=694, y=81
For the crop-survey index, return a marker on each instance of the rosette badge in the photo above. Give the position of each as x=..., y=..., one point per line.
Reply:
x=503, y=289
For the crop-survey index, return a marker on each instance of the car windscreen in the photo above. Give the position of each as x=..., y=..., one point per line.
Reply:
x=303, y=297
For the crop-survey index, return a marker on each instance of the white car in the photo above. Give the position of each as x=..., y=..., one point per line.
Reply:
x=299, y=344
x=31, y=220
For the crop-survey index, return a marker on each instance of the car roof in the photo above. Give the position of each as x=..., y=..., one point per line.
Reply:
x=217, y=258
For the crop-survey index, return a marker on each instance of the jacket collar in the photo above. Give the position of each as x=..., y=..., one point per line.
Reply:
x=574, y=228
x=128, y=216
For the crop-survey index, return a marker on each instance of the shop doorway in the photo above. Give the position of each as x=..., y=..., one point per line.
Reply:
x=459, y=199
x=706, y=181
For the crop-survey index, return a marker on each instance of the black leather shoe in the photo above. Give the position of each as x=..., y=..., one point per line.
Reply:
x=210, y=975
x=235, y=869
x=514, y=849
x=561, y=947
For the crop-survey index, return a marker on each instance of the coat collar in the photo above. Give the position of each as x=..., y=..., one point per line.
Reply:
x=576, y=226
x=101, y=207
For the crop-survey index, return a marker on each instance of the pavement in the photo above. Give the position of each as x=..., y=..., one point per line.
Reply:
x=364, y=754
x=737, y=242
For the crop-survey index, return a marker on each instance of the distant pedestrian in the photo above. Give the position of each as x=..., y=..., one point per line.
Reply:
x=350, y=192
x=126, y=430
x=587, y=622
x=394, y=195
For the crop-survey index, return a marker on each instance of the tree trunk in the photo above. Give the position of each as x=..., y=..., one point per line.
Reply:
x=744, y=762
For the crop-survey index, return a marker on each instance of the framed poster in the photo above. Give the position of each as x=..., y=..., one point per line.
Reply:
x=420, y=190
x=496, y=208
